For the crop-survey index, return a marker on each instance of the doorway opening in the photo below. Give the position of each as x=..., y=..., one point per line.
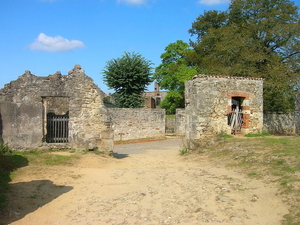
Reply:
x=56, y=119
x=235, y=117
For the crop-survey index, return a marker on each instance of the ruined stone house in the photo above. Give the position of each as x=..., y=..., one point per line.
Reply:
x=58, y=111
x=222, y=105
x=155, y=97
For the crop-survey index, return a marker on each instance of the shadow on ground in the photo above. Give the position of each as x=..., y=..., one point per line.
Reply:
x=26, y=197
x=119, y=156
x=19, y=199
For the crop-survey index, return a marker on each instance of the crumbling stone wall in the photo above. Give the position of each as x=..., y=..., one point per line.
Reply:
x=280, y=123
x=180, y=122
x=131, y=124
x=209, y=101
x=24, y=105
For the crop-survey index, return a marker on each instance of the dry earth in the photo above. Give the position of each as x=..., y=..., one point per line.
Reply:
x=146, y=183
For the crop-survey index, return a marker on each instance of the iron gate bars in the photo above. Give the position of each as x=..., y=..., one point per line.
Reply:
x=57, y=128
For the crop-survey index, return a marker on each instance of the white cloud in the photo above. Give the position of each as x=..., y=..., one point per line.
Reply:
x=134, y=2
x=213, y=2
x=54, y=44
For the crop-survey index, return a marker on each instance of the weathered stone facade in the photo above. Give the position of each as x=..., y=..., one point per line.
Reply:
x=280, y=123
x=180, y=122
x=131, y=124
x=25, y=106
x=210, y=101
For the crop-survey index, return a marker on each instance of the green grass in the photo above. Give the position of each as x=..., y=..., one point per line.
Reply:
x=257, y=135
x=270, y=159
x=227, y=136
x=169, y=117
x=10, y=161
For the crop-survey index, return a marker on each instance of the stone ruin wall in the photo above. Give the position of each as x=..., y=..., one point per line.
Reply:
x=180, y=122
x=141, y=123
x=208, y=103
x=24, y=104
x=284, y=123
x=280, y=123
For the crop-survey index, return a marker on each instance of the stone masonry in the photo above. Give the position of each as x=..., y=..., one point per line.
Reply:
x=141, y=123
x=25, y=105
x=209, y=103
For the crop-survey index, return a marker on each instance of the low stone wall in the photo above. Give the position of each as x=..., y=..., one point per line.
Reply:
x=131, y=124
x=280, y=123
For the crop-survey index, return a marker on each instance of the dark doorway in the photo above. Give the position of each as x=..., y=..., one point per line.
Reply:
x=235, y=117
x=57, y=128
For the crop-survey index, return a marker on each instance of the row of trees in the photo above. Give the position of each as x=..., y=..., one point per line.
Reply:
x=252, y=38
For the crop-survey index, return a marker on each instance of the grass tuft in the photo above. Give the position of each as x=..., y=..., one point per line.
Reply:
x=271, y=159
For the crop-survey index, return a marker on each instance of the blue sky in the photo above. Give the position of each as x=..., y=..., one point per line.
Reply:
x=45, y=36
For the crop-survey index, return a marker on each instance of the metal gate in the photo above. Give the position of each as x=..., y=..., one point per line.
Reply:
x=235, y=121
x=57, y=128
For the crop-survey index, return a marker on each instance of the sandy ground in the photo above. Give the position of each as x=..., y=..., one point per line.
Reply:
x=148, y=183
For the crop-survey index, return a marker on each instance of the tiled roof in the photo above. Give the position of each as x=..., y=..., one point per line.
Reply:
x=229, y=77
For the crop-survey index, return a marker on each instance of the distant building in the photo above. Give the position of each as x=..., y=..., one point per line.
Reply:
x=154, y=98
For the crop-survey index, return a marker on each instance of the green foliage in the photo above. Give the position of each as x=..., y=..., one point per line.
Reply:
x=173, y=100
x=129, y=77
x=9, y=161
x=257, y=135
x=4, y=149
x=227, y=136
x=175, y=69
x=253, y=38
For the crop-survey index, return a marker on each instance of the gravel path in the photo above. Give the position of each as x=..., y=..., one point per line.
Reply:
x=146, y=183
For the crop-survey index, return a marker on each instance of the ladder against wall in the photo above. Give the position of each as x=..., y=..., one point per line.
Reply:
x=235, y=120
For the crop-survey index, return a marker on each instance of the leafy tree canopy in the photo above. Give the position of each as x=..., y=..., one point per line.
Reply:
x=175, y=69
x=128, y=76
x=253, y=38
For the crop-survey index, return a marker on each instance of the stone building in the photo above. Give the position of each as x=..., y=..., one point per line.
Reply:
x=222, y=105
x=58, y=111
x=154, y=98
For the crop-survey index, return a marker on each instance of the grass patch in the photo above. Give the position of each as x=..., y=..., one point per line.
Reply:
x=184, y=150
x=10, y=161
x=257, y=135
x=227, y=136
x=270, y=159
x=170, y=117
x=48, y=159
x=252, y=174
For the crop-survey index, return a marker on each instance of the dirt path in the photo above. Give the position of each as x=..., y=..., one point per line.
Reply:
x=147, y=183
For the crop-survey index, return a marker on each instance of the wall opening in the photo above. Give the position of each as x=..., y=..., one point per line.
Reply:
x=56, y=119
x=235, y=116
x=57, y=128
x=157, y=101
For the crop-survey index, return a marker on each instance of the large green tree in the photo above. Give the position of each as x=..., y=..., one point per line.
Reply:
x=253, y=38
x=129, y=76
x=174, y=70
